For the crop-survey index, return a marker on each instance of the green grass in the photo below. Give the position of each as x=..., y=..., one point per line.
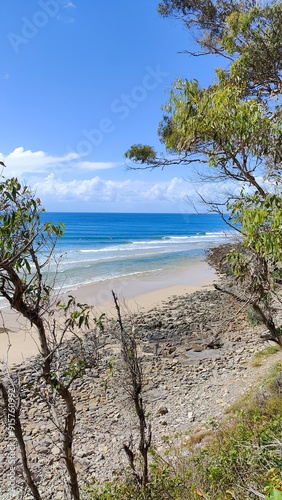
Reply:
x=260, y=356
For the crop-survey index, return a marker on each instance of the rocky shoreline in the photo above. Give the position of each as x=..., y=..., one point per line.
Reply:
x=196, y=352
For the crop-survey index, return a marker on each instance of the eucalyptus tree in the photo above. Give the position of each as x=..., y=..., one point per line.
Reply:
x=231, y=131
x=26, y=249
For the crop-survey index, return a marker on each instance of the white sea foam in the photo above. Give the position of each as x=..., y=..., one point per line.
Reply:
x=138, y=250
x=155, y=244
x=99, y=247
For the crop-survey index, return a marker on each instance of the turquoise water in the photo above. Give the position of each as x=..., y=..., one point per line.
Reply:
x=103, y=246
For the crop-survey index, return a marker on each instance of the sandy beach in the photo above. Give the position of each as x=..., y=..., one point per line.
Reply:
x=197, y=351
x=18, y=341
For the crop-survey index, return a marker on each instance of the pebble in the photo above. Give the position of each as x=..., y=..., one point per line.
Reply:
x=55, y=450
x=185, y=380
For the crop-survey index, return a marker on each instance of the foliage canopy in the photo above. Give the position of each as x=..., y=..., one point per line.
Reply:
x=232, y=130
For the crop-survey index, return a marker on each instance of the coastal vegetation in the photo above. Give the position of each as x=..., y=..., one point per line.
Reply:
x=237, y=458
x=26, y=250
x=26, y=253
x=232, y=131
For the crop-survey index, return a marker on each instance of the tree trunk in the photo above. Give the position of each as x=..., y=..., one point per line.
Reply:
x=68, y=441
x=36, y=320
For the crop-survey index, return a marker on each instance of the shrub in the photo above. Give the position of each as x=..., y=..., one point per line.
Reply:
x=240, y=459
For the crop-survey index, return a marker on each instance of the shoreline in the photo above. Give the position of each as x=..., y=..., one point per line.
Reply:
x=197, y=353
x=143, y=293
x=147, y=290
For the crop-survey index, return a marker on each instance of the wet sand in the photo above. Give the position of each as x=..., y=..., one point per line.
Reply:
x=18, y=341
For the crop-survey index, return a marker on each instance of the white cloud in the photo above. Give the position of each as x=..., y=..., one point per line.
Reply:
x=175, y=189
x=95, y=189
x=67, y=19
x=52, y=177
x=123, y=193
x=21, y=161
x=27, y=161
x=69, y=5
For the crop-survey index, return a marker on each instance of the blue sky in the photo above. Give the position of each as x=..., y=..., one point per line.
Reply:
x=80, y=82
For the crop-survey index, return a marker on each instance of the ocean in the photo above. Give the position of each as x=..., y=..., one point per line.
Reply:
x=102, y=246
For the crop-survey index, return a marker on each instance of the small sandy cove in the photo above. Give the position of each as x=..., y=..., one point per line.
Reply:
x=18, y=341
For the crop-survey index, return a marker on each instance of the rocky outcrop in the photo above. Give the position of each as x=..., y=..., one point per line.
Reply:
x=195, y=352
